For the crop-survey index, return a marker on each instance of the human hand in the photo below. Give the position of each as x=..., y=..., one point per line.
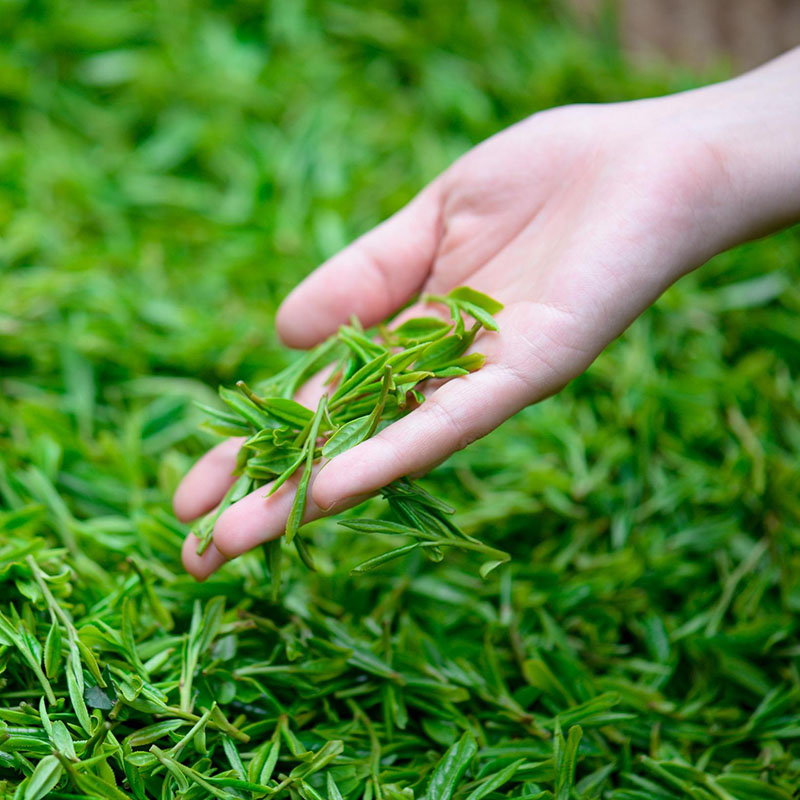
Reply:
x=576, y=219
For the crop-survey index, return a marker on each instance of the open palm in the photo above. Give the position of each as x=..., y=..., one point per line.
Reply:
x=576, y=219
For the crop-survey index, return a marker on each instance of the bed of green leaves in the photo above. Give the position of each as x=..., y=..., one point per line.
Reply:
x=169, y=171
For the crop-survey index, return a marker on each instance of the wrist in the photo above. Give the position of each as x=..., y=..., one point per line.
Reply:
x=750, y=126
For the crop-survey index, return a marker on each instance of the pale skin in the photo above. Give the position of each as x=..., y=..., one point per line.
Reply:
x=577, y=219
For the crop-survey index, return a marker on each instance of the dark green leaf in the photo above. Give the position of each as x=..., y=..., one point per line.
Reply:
x=96, y=697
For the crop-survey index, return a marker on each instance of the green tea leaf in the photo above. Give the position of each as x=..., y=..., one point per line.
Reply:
x=324, y=756
x=74, y=684
x=288, y=411
x=141, y=759
x=28, y=648
x=420, y=329
x=495, y=781
x=448, y=773
x=96, y=697
x=152, y=733
x=475, y=298
x=383, y=558
x=478, y=313
x=304, y=552
x=289, y=471
x=299, y=505
x=379, y=526
x=333, y=789
x=746, y=787
x=95, y=786
x=43, y=779
x=441, y=353
x=232, y=424
x=273, y=558
x=62, y=740
x=246, y=409
x=566, y=759
x=52, y=651
x=348, y=435
x=262, y=767
x=370, y=371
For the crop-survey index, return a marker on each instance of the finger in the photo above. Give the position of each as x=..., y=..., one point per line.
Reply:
x=200, y=566
x=205, y=485
x=207, y=481
x=456, y=414
x=370, y=278
x=255, y=519
x=309, y=393
x=420, y=309
x=259, y=517
x=528, y=362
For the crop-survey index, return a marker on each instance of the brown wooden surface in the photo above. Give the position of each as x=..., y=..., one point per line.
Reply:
x=700, y=33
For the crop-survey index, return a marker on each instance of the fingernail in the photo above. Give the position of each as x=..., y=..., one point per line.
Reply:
x=346, y=502
x=336, y=505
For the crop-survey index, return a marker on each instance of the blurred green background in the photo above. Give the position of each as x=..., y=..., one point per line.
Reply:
x=161, y=162
x=169, y=170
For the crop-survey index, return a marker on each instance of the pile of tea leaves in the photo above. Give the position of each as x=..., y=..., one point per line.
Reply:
x=169, y=172
x=370, y=381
